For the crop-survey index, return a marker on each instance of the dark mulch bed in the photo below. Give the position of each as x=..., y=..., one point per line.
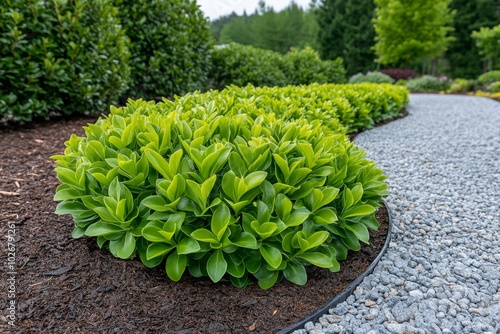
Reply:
x=70, y=286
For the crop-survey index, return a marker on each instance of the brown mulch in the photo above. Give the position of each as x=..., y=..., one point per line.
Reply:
x=70, y=286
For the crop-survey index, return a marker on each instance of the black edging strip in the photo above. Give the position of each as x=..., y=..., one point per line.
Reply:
x=342, y=296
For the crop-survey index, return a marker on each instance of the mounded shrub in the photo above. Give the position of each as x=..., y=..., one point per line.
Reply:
x=60, y=56
x=399, y=73
x=428, y=83
x=171, y=46
x=461, y=85
x=240, y=65
x=372, y=77
x=494, y=87
x=307, y=68
x=243, y=194
x=488, y=78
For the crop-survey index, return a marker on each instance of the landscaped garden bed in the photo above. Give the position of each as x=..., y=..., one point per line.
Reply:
x=70, y=285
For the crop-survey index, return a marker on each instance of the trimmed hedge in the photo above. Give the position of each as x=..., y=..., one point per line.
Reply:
x=239, y=65
x=236, y=64
x=60, y=56
x=171, y=46
x=342, y=108
x=221, y=186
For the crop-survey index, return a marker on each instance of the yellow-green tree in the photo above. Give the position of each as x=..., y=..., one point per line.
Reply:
x=408, y=30
x=488, y=43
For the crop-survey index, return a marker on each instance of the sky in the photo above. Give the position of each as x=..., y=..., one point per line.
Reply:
x=216, y=8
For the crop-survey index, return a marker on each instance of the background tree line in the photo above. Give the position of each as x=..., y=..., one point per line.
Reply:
x=426, y=35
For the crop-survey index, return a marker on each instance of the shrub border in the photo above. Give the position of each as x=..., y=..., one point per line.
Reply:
x=342, y=296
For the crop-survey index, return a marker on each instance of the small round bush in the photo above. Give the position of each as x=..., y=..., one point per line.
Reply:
x=494, y=87
x=60, y=56
x=307, y=68
x=460, y=85
x=240, y=65
x=228, y=197
x=428, y=83
x=371, y=77
x=171, y=46
x=488, y=78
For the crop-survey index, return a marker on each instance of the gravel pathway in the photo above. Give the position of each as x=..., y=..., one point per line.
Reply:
x=441, y=273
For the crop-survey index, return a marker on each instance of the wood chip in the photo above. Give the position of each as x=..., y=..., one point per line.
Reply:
x=8, y=193
x=252, y=327
x=31, y=285
x=17, y=184
x=39, y=141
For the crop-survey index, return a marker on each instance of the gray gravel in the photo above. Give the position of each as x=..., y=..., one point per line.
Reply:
x=441, y=273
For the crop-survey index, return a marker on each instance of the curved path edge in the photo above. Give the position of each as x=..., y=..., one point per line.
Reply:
x=342, y=296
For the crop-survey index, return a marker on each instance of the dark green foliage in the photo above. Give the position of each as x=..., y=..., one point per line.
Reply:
x=213, y=185
x=171, y=45
x=60, y=56
x=240, y=65
x=237, y=30
x=462, y=53
x=217, y=25
x=268, y=29
x=307, y=67
x=347, y=32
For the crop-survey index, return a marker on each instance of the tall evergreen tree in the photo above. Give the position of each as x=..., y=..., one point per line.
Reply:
x=471, y=15
x=238, y=30
x=346, y=30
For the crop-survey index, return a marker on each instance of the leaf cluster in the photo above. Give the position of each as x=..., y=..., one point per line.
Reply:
x=241, y=194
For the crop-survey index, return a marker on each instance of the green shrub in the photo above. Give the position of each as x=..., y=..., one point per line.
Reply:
x=342, y=108
x=488, y=78
x=373, y=77
x=428, y=83
x=307, y=68
x=240, y=65
x=226, y=185
x=60, y=56
x=171, y=46
x=401, y=82
x=460, y=86
x=494, y=87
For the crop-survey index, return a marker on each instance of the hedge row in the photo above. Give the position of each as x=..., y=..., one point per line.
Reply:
x=229, y=185
x=80, y=56
x=236, y=64
x=342, y=108
x=74, y=56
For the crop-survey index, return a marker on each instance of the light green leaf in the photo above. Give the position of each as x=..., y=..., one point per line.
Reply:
x=317, y=259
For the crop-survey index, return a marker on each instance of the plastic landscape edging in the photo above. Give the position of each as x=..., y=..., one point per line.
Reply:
x=342, y=296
